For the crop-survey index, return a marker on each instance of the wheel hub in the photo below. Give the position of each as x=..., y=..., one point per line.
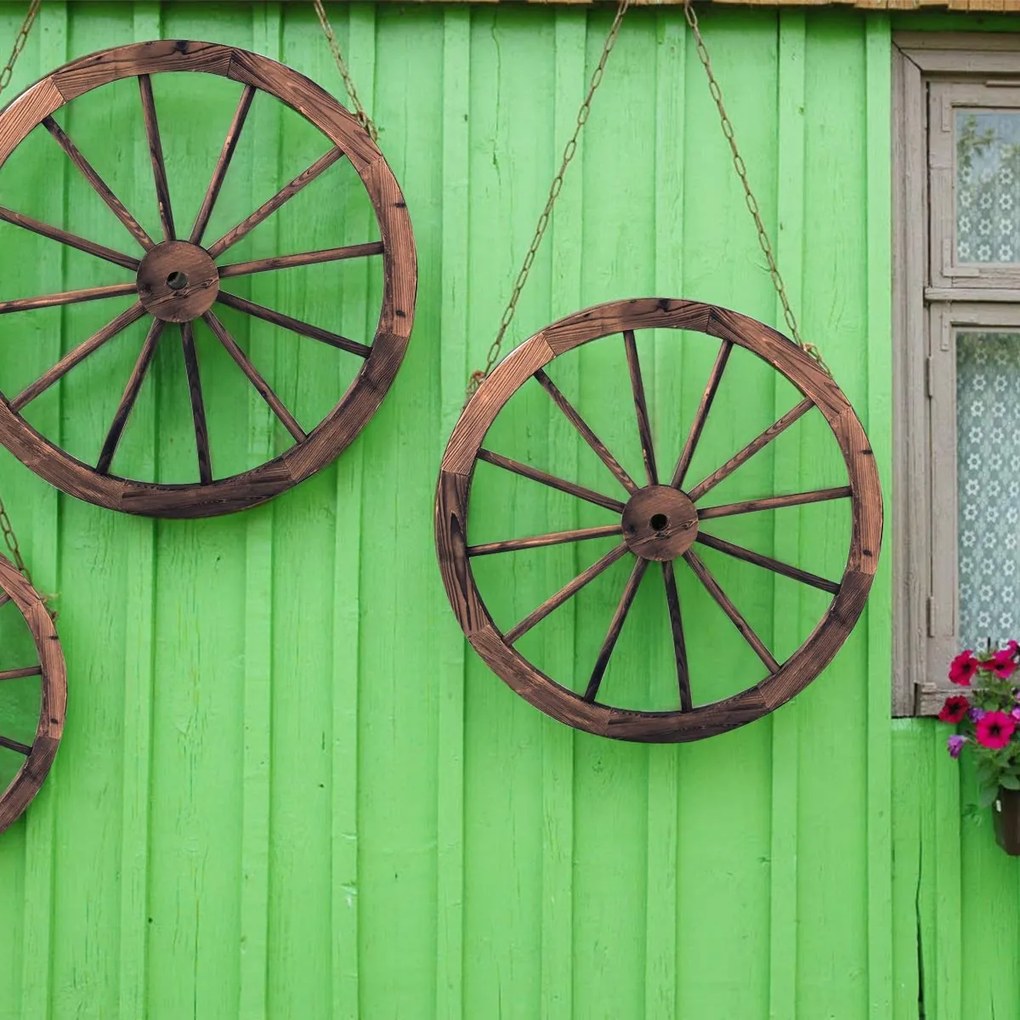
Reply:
x=660, y=523
x=177, y=281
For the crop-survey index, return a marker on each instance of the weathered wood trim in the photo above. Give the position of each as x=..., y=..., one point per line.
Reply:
x=911, y=551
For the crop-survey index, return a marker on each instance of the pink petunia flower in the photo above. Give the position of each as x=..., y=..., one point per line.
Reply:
x=1002, y=664
x=963, y=668
x=994, y=729
x=955, y=709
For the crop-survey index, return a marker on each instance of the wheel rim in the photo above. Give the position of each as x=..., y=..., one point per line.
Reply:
x=174, y=284
x=50, y=668
x=649, y=540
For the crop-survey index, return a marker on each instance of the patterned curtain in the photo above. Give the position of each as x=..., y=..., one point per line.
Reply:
x=987, y=182
x=988, y=480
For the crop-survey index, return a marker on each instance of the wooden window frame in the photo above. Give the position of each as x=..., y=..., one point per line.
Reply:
x=933, y=297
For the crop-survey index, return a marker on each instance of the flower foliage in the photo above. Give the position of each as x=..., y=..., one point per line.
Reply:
x=987, y=716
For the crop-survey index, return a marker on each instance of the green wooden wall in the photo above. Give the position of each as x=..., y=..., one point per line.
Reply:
x=286, y=787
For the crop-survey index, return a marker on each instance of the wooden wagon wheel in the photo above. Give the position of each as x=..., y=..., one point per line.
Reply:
x=659, y=522
x=180, y=277
x=52, y=675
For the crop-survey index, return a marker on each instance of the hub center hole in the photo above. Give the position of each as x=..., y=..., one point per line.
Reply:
x=659, y=521
x=177, y=281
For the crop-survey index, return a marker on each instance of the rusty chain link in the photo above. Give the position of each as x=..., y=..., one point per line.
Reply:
x=19, y=43
x=752, y=202
x=341, y=64
x=569, y=152
x=5, y=79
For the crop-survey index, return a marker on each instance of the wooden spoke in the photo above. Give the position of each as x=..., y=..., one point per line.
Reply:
x=260, y=384
x=679, y=645
x=731, y=611
x=197, y=404
x=127, y=401
x=71, y=240
x=4, y=598
x=294, y=325
x=15, y=745
x=756, y=444
x=554, y=601
x=615, y=626
x=553, y=538
x=80, y=353
x=308, y=258
x=644, y=425
x=701, y=415
x=740, y=553
x=166, y=216
x=68, y=297
x=14, y=674
x=527, y=471
x=117, y=207
x=585, y=432
x=303, y=179
x=220, y=170
x=772, y=502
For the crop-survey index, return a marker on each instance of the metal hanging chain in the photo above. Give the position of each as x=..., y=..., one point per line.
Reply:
x=341, y=64
x=569, y=152
x=19, y=43
x=5, y=79
x=752, y=202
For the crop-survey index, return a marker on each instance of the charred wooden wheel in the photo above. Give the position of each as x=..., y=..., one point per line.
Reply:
x=41, y=680
x=663, y=520
x=180, y=278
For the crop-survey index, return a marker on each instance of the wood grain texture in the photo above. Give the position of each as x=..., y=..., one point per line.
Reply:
x=656, y=528
x=40, y=753
x=178, y=281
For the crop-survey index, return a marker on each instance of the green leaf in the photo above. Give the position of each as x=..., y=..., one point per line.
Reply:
x=1009, y=781
x=987, y=796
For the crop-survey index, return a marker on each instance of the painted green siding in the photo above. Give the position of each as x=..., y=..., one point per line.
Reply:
x=286, y=788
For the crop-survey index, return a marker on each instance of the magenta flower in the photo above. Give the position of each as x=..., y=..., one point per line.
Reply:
x=955, y=709
x=1001, y=664
x=955, y=745
x=1016, y=713
x=994, y=729
x=963, y=668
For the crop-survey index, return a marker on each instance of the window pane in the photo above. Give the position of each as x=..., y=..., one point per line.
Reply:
x=988, y=481
x=987, y=183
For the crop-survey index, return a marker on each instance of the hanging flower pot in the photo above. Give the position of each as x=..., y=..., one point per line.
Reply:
x=987, y=718
x=1006, y=812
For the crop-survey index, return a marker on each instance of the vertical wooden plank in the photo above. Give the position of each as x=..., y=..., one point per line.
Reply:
x=205, y=690
x=786, y=538
x=47, y=47
x=454, y=369
x=725, y=800
x=557, y=793
x=910, y=792
x=878, y=61
x=138, y=680
x=400, y=687
x=943, y=881
x=259, y=633
x=611, y=779
x=663, y=843
x=347, y=897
